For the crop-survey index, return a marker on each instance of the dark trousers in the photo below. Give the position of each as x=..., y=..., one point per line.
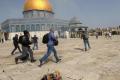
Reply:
x=35, y=46
x=1, y=40
x=16, y=47
x=26, y=51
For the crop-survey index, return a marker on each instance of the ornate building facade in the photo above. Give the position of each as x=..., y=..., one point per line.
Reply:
x=38, y=19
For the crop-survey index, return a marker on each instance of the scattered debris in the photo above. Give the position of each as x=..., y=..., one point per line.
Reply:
x=52, y=76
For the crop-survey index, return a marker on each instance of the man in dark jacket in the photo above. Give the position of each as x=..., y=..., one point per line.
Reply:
x=35, y=42
x=16, y=44
x=26, y=50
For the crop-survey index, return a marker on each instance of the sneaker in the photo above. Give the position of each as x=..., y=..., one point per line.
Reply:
x=58, y=60
x=33, y=60
x=85, y=49
x=41, y=63
x=12, y=54
x=16, y=60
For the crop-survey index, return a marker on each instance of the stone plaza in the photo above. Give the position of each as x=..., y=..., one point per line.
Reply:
x=99, y=63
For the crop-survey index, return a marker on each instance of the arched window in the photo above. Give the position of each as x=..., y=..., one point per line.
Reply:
x=28, y=27
x=48, y=27
x=18, y=28
x=37, y=27
x=32, y=27
x=23, y=28
x=12, y=28
x=43, y=27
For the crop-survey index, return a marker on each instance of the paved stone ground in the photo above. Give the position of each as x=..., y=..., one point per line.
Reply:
x=102, y=62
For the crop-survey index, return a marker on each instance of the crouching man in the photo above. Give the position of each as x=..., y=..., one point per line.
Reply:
x=26, y=50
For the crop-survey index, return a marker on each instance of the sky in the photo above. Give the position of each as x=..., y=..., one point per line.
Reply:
x=92, y=13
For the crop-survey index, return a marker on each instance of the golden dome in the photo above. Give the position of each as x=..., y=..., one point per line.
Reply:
x=37, y=5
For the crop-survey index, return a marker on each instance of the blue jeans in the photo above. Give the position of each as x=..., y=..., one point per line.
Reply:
x=86, y=44
x=50, y=49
